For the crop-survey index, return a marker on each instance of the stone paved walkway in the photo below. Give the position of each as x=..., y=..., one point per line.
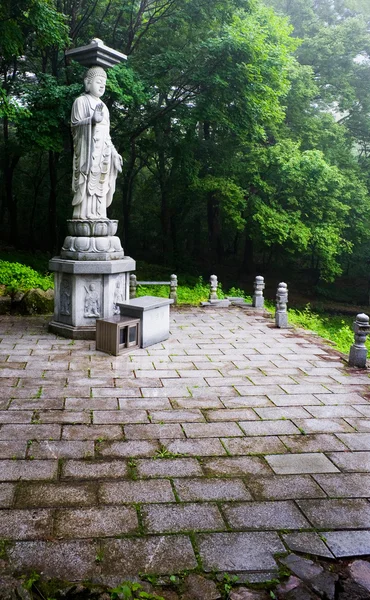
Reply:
x=228, y=443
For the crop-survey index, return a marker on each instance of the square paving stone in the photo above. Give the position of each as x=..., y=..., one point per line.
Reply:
x=167, y=392
x=153, y=554
x=360, y=424
x=18, y=416
x=6, y=494
x=323, y=425
x=254, y=445
x=119, y=416
x=46, y=495
x=312, y=462
x=241, y=414
x=351, y=461
x=355, y=441
x=348, y=543
x=364, y=410
x=25, y=524
x=231, y=466
x=304, y=388
x=71, y=561
x=205, y=430
x=168, y=467
x=257, y=390
x=233, y=552
x=337, y=514
x=246, y=401
x=181, y=517
x=282, y=412
x=179, y=416
x=153, y=431
x=144, y=403
x=30, y=432
x=62, y=449
x=269, y=427
x=92, y=432
x=293, y=399
x=307, y=542
x=265, y=516
x=64, y=416
x=136, y=491
x=37, y=404
x=194, y=447
x=321, y=442
x=348, y=398
x=91, y=404
x=211, y=489
x=284, y=487
x=333, y=412
x=126, y=449
x=13, y=450
x=188, y=403
x=88, y=469
x=11, y=470
x=95, y=522
x=345, y=485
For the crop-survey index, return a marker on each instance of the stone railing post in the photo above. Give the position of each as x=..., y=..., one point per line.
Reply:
x=133, y=284
x=281, y=314
x=358, y=351
x=173, y=288
x=213, y=284
x=259, y=286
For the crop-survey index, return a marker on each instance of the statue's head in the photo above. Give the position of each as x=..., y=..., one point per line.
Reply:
x=95, y=80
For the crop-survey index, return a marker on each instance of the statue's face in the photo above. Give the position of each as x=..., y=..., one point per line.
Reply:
x=96, y=86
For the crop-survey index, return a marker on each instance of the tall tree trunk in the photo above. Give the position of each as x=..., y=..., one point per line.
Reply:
x=248, y=259
x=10, y=163
x=127, y=189
x=52, y=206
x=214, y=229
x=165, y=205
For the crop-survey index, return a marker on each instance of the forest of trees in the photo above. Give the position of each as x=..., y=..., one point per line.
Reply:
x=244, y=126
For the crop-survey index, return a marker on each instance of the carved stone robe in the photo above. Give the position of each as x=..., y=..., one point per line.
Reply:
x=96, y=162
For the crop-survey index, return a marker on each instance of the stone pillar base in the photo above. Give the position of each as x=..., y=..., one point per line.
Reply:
x=85, y=291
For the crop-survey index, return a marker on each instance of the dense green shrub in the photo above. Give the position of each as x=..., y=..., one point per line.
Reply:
x=16, y=277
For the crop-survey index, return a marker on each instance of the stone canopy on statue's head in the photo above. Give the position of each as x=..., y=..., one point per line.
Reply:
x=96, y=54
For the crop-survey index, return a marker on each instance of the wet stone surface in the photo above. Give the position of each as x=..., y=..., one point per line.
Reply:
x=213, y=451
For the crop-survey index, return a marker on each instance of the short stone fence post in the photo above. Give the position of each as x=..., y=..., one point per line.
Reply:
x=213, y=284
x=281, y=314
x=173, y=288
x=358, y=351
x=133, y=285
x=259, y=286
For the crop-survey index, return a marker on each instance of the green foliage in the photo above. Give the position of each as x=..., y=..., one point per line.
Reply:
x=129, y=590
x=17, y=277
x=337, y=329
x=29, y=581
x=4, y=547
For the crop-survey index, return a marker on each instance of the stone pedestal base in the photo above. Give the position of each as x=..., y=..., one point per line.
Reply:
x=281, y=319
x=92, y=240
x=357, y=356
x=85, y=291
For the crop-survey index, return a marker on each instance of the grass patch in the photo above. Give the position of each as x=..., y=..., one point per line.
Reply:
x=335, y=328
x=17, y=277
x=191, y=294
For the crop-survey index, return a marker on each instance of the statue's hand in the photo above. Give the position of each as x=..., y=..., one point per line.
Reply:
x=118, y=161
x=98, y=113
